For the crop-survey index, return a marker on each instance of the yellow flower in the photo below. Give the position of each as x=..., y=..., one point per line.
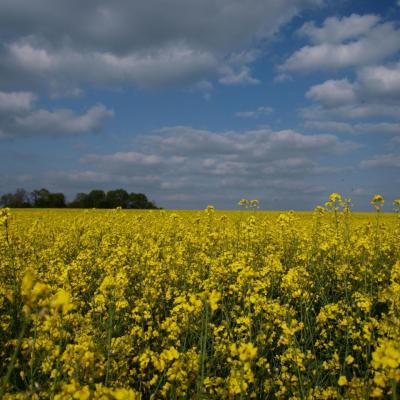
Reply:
x=349, y=359
x=124, y=394
x=335, y=197
x=27, y=283
x=61, y=299
x=247, y=351
x=377, y=392
x=82, y=394
x=342, y=381
x=377, y=201
x=213, y=299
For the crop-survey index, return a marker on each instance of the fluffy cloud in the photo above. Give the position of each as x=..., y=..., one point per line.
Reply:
x=355, y=44
x=63, y=121
x=352, y=111
x=125, y=26
x=362, y=42
x=53, y=123
x=358, y=128
x=193, y=167
x=335, y=30
x=382, y=82
x=380, y=127
x=138, y=43
x=382, y=161
x=89, y=178
x=242, y=76
x=259, y=112
x=175, y=162
x=333, y=92
x=15, y=102
x=330, y=126
x=256, y=145
x=374, y=93
x=160, y=67
x=395, y=141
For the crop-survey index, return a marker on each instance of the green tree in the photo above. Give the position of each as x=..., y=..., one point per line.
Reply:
x=97, y=199
x=117, y=198
x=140, y=201
x=56, y=200
x=18, y=199
x=40, y=198
x=80, y=201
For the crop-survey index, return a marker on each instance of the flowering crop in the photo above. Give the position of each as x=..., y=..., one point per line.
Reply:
x=121, y=304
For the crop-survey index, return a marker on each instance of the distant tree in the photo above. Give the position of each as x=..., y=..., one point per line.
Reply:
x=40, y=198
x=45, y=199
x=22, y=198
x=56, y=200
x=140, y=201
x=18, y=199
x=97, y=199
x=117, y=198
x=80, y=201
x=6, y=199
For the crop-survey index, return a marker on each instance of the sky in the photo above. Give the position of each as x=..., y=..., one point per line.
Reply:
x=202, y=102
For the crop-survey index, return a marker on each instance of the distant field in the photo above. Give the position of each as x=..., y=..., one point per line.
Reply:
x=117, y=304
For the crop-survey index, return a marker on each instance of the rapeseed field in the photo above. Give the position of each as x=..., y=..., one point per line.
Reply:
x=117, y=304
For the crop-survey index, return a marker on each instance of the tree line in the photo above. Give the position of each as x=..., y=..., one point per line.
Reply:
x=43, y=198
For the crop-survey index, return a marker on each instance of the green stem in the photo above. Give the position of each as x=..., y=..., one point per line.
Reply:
x=13, y=358
x=110, y=322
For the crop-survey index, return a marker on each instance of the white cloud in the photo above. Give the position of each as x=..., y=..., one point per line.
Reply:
x=137, y=43
x=187, y=160
x=132, y=26
x=256, y=145
x=395, y=141
x=33, y=58
x=352, y=111
x=16, y=101
x=335, y=30
x=158, y=67
x=333, y=92
x=282, y=77
x=376, y=84
x=330, y=126
x=374, y=93
x=359, y=191
x=381, y=81
x=236, y=70
x=259, y=112
x=81, y=179
x=132, y=159
x=202, y=86
x=241, y=76
x=202, y=166
x=380, y=42
x=382, y=161
x=63, y=121
x=56, y=123
x=388, y=128
x=379, y=128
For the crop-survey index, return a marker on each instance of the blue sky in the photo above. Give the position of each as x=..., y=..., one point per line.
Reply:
x=197, y=103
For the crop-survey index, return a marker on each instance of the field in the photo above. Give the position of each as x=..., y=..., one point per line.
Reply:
x=117, y=304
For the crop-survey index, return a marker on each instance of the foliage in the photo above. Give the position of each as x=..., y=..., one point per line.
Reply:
x=117, y=304
x=112, y=199
x=95, y=199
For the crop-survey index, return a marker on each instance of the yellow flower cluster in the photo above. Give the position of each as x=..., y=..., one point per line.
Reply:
x=126, y=304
